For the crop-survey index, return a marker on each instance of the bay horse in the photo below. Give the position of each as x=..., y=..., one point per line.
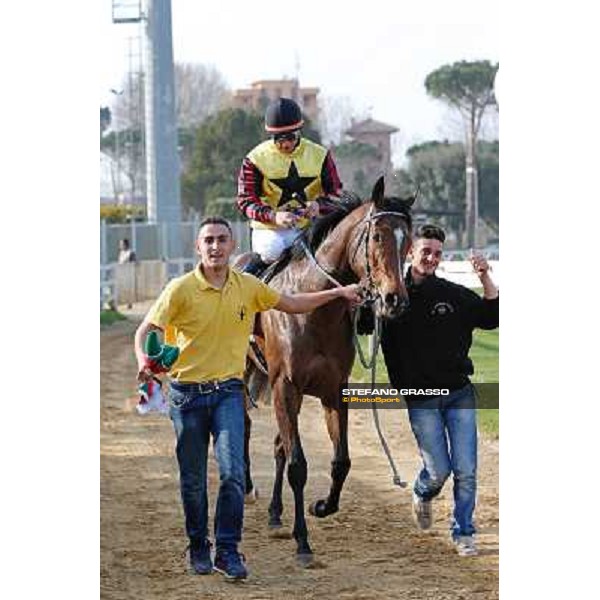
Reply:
x=313, y=354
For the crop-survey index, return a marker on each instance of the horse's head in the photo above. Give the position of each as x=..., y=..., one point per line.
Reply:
x=383, y=239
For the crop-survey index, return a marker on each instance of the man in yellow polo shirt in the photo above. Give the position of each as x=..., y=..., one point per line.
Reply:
x=209, y=314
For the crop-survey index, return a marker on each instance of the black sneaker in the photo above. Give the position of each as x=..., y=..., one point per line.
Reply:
x=200, y=560
x=230, y=563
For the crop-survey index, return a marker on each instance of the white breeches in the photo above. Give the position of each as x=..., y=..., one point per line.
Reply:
x=270, y=243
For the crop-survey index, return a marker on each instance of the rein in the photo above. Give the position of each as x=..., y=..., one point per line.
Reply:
x=315, y=263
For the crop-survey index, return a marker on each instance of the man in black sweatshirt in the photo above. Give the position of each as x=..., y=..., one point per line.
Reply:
x=429, y=348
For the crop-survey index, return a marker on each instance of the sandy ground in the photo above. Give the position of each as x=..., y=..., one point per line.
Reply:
x=369, y=550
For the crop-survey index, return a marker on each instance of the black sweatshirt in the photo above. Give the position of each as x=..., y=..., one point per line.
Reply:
x=428, y=347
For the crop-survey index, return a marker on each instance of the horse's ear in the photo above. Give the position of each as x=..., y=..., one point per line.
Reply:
x=412, y=199
x=377, y=193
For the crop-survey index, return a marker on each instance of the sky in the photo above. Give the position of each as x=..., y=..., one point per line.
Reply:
x=375, y=56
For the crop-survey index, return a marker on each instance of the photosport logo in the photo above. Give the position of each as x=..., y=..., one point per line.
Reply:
x=381, y=395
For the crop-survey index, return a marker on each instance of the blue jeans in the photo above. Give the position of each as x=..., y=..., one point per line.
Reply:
x=447, y=438
x=195, y=416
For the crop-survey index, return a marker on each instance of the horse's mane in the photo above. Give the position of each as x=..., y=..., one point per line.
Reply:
x=336, y=211
x=322, y=227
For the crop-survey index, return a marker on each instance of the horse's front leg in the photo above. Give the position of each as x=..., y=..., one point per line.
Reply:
x=337, y=426
x=297, y=476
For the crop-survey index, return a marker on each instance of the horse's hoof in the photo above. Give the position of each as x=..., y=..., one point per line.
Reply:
x=252, y=496
x=277, y=532
x=306, y=561
x=319, y=509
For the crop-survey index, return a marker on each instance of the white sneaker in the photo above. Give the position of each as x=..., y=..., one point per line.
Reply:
x=465, y=545
x=422, y=512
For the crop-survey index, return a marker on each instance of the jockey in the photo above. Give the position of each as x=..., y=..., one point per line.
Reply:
x=280, y=181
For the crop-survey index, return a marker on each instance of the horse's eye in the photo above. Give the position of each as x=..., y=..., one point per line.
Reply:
x=377, y=237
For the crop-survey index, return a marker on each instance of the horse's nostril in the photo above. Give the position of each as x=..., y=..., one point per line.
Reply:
x=391, y=299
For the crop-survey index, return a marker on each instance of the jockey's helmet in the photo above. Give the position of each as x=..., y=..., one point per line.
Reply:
x=282, y=116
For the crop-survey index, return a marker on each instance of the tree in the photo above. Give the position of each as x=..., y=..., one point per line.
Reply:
x=126, y=147
x=489, y=180
x=126, y=142
x=221, y=143
x=105, y=119
x=467, y=87
x=336, y=115
x=437, y=168
x=310, y=131
x=358, y=165
x=201, y=91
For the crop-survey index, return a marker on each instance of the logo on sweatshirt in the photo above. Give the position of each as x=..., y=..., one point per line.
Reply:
x=441, y=308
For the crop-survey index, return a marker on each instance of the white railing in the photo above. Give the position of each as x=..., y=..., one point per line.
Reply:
x=461, y=272
x=138, y=281
x=155, y=241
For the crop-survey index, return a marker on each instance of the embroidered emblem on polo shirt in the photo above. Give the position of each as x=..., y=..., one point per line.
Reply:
x=242, y=313
x=441, y=308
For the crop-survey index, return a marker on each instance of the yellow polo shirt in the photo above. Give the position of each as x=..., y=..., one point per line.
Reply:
x=210, y=326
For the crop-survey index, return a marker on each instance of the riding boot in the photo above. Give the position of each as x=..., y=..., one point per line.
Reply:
x=255, y=266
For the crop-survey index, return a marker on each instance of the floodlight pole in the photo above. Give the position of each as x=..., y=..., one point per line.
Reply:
x=164, y=203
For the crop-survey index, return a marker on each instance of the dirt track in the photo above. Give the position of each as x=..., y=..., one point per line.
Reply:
x=369, y=550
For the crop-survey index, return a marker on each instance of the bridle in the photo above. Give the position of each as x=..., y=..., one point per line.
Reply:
x=370, y=294
x=368, y=291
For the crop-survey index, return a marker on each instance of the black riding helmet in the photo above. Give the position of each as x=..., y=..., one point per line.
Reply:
x=282, y=116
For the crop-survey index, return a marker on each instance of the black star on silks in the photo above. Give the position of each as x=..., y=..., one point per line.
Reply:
x=292, y=186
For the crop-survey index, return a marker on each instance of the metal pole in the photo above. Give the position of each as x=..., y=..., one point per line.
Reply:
x=103, y=249
x=133, y=234
x=164, y=231
x=164, y=202
x=472, y=200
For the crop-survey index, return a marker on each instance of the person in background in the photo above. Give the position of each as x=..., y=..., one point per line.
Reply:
x=126, y=254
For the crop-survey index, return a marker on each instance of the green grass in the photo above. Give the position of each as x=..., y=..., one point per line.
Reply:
x=108, y=317
x=484, y=354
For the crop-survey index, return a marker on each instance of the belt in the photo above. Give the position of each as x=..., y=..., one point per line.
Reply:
x=203, y=387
